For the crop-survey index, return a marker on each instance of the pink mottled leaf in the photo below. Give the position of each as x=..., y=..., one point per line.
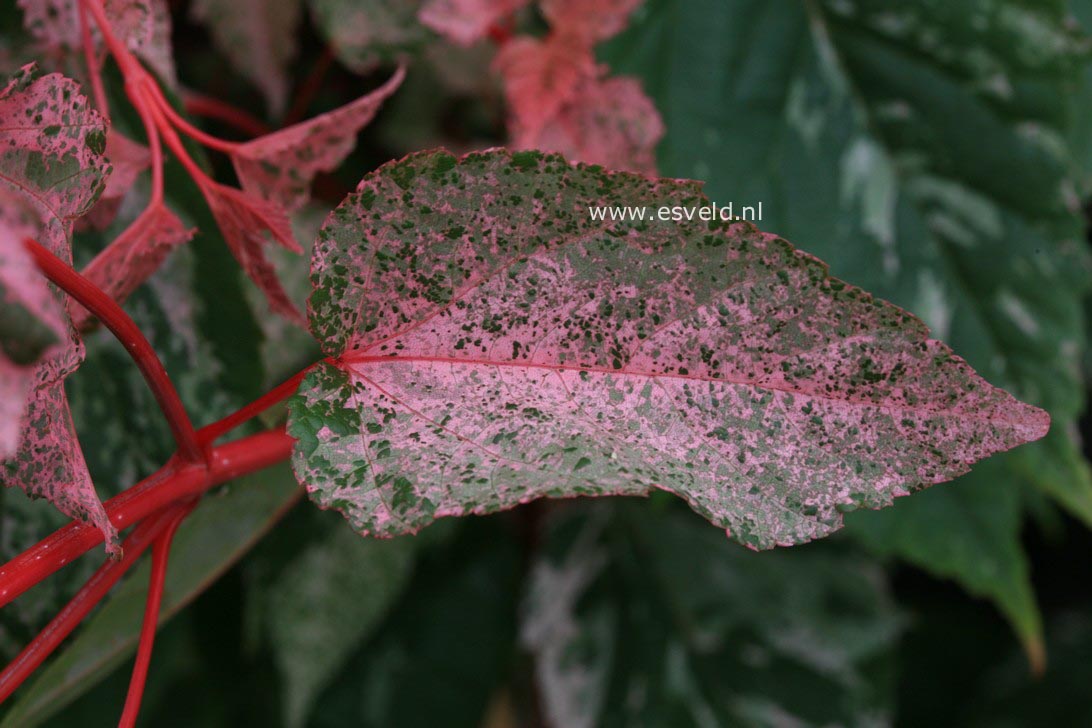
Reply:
x=493, y=344
x=466, y=21
x=135, y=254
x=540, y=77
x=279, y=167
x=248, y=224
x=258, y=37
x=608, y=121
x=128, y=159
x=145, y=27
x=49, y=463
x=51, y=164
x=594, y=20
x=32, y=322
x=54, y=24
x=51, y=151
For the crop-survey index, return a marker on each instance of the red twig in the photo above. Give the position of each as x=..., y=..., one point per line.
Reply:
x=147, y=94
x=155, y=96
x=210, y=433
x=170, y=484
x=160, y=552
x=201, y=105
x=81, y=604
x=127, y=332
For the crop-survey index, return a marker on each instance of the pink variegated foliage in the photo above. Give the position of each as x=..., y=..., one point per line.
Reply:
x=135, y=254
x=594, y=20
x=258, y=37
x=54, y=24
x=128, y=159
x=143, y=25
x=540, y=77
x=49, y=462
x=51, y=162
x=492, y=343
x=608, y=121
x=32, y=322
x=279, y=167
x=561, y=101
x=145, y=28
x=466, y=21
x=248, y=224
x=366, y=34
x=51, y=151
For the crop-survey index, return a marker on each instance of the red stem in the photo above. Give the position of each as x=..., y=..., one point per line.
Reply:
x=94, y=70
x=81, y=604
x=170, y=484
x=160, y=552
x=210, y=433
x=165, y=108
x=127, y=332
x=174, y=143
x=201, y=105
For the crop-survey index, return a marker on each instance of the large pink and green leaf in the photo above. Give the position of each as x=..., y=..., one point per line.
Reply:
x=492, y=343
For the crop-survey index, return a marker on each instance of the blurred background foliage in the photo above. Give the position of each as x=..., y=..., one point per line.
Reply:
x=935, y=152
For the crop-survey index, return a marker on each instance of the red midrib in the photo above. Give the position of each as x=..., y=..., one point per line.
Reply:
x=921, y=409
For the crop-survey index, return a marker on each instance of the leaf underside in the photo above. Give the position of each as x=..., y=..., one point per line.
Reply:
x=493, y=345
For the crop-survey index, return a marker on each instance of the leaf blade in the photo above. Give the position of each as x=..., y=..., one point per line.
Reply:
x=706, y=359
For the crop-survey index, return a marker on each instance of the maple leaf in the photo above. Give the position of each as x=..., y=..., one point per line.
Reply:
x=466, y=21
x=608, y=121
x=248, y=224
x=258, y=37
x=492, y=343
x=593, y=20
x=540, y=76
x=135, y=255
x=279, y=167
x=51, y=163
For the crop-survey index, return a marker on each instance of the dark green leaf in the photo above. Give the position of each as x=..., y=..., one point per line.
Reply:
x=644, y=618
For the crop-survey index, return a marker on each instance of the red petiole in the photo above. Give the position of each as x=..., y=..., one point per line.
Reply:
x=81, y=604
x=160, y=554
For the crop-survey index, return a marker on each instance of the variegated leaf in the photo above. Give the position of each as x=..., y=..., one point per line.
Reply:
x=494, y=343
